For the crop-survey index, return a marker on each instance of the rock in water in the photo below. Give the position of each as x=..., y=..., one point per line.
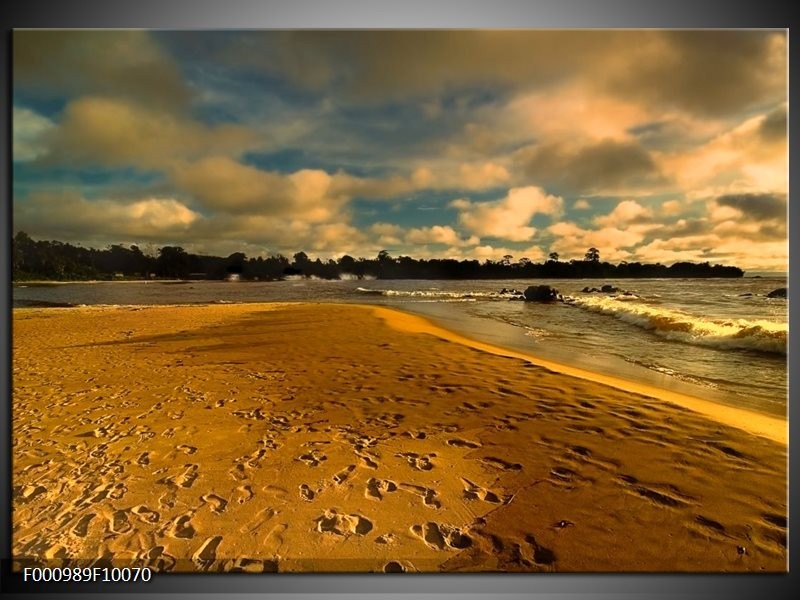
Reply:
x=779, y=293
x=541, y=293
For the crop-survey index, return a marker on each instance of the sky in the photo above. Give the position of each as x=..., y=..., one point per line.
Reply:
x=651, y=145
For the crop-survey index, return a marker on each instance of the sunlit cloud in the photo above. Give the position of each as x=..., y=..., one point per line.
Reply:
x=30, y=134
x=649, y=145
x=508, y=218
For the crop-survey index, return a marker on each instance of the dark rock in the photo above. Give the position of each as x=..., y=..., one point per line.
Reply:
x=745, y=295
x=541, y=293
x=586, y=289
x=779, y=293
x=609, y=289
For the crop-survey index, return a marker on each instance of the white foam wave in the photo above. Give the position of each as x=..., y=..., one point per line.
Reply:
x=435, y=294
x=738, y=334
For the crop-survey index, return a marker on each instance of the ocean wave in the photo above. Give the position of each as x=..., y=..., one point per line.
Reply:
x=730, y=334
x=435, y=294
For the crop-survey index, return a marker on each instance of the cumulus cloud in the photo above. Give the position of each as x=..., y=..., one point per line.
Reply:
x=110, y=132
x=121, y=64
x=760, y=207
x=508, y=218
x=736, y=160
x=438, y=234
x=30, y=132
x=709, y=72
x=581, y=204
x=571, y=240
x=625, y=213
x=223, y=184
x=606, y=167
x=70, y=216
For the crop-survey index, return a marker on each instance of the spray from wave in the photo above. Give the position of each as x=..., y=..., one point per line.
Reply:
x=736, y=334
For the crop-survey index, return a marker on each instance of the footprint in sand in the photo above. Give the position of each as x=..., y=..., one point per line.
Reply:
x=144, y=459
x=541, y=555
x=428, y=495
x=377, y=487
x=499, y=463
x=217, y=503
x=119, y=522
x=261, y=518
x=157, y=559
x=441, y=535
x=167, y=500
x=181, y=527
x=185, y=479
x=459, y=443
x=276, y=491
x=367, y=461
x=342, y=475
x=662, y=494
x=331, y=521
x=418, y=462
x=394, y=566
x=145, y=514
x=245, y=494
x=306, y=493
x=206, y=554
x=186, y=449
x=82, y=526
x=313, y=458
x=386, y=538
x=472, y=491
x=29, y=492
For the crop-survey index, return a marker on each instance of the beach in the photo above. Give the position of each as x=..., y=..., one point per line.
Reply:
x=301, y=437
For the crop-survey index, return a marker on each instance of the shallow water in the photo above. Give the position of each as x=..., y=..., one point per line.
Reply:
x=720, y=339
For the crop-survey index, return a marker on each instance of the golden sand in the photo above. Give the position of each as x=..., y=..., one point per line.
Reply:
x=320, y=437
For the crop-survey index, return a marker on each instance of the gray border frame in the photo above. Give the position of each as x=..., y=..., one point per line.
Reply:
x=211, y=14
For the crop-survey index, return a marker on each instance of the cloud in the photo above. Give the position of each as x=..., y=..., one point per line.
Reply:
x=225, y=185
x=109, y=132
x=581, y=204
x=708, y=71
x=671, y=207
x=438, y=234
x=613, y=243
x=737, y=160
x=121, y=64
x=625, y=213
x=508, y=218
x=702, y=72
x=760, y=207
x=70, y=216
x=773, y=127
x=444, y=175
x=599, y=168
x=30, y=133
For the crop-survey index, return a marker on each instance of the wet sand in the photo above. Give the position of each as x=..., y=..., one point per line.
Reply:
x=320, y=437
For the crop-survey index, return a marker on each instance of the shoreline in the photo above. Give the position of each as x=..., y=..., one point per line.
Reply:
x=321, y=437
x=746, y=420
x=750, y=421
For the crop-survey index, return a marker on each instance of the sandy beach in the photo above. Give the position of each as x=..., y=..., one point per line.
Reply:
x=322, y=437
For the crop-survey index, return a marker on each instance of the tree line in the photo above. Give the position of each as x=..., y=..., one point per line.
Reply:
x=54, y=260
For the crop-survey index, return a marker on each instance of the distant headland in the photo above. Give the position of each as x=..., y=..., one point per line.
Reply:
x=59, y=261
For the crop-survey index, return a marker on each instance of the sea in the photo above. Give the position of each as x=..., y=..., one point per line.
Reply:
x=722, y=340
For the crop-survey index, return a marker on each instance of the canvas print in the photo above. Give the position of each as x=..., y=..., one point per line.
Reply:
x=400, y=301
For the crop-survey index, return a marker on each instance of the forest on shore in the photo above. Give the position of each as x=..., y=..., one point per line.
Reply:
x=60, y=261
